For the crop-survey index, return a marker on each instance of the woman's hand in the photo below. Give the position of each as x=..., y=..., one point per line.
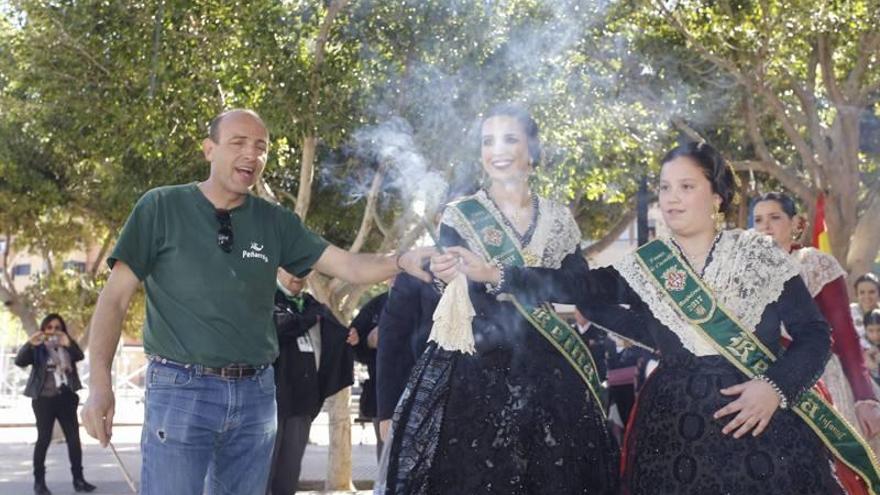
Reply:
x=868, y=415
x=353, y=337
x=444, y=266
x=37, y=338
x=373, y=338
x=476, y=268
x=384, y=429
x=755, y=407
x=63, y=339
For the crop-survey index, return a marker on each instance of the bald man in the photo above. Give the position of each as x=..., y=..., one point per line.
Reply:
x=206, y=254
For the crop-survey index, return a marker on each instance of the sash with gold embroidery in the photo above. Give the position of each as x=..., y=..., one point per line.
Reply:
x=497, y=245
x=695, y=302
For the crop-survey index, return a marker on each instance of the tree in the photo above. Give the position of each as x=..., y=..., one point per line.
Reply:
x=91, y=130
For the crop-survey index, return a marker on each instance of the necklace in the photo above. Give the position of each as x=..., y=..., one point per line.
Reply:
x=526, y=236
x=693, y=259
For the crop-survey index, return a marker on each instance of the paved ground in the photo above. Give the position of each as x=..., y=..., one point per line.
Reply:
x=17, y=435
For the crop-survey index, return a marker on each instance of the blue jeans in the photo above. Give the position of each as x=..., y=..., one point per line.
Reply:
x=206, y=434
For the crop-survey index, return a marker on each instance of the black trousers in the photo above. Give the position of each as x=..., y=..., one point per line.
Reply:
x=290, y=445
x=379, y=444
x=63, y=408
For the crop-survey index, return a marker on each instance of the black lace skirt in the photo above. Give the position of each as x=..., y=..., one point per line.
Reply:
x=676, y=447
x=492, y=425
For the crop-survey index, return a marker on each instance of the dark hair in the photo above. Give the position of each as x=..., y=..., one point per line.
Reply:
x=714, y=168
x=872, y=317
x=216, y=122
x=868, y=277
x=784, y=200
x=53, y=316
x=530, y=127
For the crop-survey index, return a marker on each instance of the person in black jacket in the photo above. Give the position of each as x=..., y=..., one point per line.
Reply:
x=406, y=323
x=315, y=362
x=52, y=355
x=366, y=324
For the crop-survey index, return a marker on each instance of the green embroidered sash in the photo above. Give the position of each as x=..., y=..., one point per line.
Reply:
x=695, y=302
x=497, y=245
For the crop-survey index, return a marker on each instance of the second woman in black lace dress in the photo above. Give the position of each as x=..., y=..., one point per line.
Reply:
x=514, y=417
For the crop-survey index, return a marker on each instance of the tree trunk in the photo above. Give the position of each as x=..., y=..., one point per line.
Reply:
x=306, y=175
x=339, y=453
x=616, y=230
x=840, y=226
x=18, y=306
x=843, y=184
x=310, y=140
x=339, y=468
x=865, y=239
x=369, y=211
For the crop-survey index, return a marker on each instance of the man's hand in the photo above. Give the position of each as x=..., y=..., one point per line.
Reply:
x=373, y=338
x=412, y=261
x=97, y=414
x=476, y=268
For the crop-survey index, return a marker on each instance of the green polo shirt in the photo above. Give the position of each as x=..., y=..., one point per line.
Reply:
x=205, y=305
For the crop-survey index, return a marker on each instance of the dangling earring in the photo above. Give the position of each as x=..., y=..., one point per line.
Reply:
x=532, y=177
x=798, y=229
x=718, y=218
x=485, y=181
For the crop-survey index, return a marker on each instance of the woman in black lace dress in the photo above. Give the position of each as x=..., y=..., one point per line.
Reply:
x=701, y=425
x=510, y=415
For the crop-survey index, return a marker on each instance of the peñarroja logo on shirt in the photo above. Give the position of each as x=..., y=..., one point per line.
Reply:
x=255, y=252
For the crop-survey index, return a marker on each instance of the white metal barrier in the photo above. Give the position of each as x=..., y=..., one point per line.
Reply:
x=129, y=367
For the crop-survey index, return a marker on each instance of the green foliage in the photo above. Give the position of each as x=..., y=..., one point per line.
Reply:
x=105, y=100
x=101, y=101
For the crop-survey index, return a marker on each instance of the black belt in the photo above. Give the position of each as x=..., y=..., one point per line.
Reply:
x=231, y=371
x=234, y=371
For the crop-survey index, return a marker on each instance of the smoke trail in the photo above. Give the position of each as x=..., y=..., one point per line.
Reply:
x=391, y=144
x=596, y=96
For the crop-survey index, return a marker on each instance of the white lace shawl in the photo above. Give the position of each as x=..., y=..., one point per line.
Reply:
x=556, y=234
x=818, y=269
x=747, y=272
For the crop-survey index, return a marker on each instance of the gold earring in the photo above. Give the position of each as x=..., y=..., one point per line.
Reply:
x=485, y=181
x=718, y=218
x=798, y=230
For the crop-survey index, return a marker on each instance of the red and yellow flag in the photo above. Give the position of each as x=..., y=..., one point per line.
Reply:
x=820, y=230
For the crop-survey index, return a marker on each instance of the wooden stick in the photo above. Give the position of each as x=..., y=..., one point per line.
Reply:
x=433, y=235
x=128, y=478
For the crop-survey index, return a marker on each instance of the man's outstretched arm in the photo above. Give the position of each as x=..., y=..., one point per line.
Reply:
x=360, y=268
x=106, y=327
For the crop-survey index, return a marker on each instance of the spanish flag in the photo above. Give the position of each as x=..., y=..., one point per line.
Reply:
x=820, y=230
